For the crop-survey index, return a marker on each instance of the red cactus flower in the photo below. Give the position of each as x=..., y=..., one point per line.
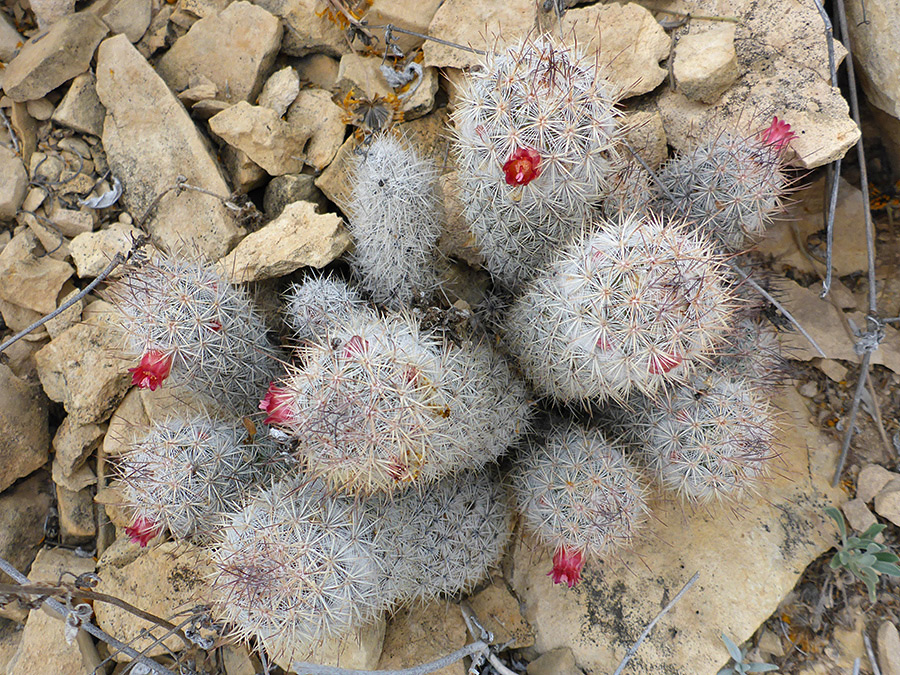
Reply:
x=356, y=346
x=567, y=566
x=142, y=530
x=277, y=403
x=522, y=167
x=152, y=370
x=778, y=135
x=660, y=364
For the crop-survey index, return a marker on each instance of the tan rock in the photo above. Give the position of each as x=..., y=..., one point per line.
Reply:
x=237, y=660
x=30, y=279
x=291, y=187
x=77, y=480
x=645, y=133
x=247, y=33
x=56, y=246
x=417, y=96
x=314, y=113
x=162, y=580
x=92, y=251
x=244, y=172
x=453, y=23
x=19, y=318
x=81, y=367
x=559, y=661
x=498, y=611
x=71, y=222
x=48, y=12
x=77, y=520
x=150, y=140
x=361, y=77
x=74, y=443
x=131, y=17
x=424, y=633
x=24, y=433
x=114, y=500
x=40, y=109
x=44, y=648
x=80, y=109
x=887, y=502
x=307, y=29
x=276, y=145
x=877, y=51
x=125, y=424
x=298, y=237
x=53, y=58
x=746, y=567
x=69, y=317
x=456, y=240
x=358, y=650
x=705, y=64
x=10, y=639
x=888, y=649
x=858, y=516
x=871, y=480
x=10, y=40
x=319, y=70
x=626, y=40
x=280, y=90
x=413, y=15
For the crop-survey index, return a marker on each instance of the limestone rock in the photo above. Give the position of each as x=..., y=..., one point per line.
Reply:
x=114, y=500
x=131, y=17
x=785, y=73
x=889, y=649
x=69, y=317
x=19, y=318
x=150, y=140
x=244, y=172
x=871, y=480
x=319, y=70
x=44, y=648
x=248, y=34
x=93, y=251
x=10, y=639
x=307, y=30
x=276, y=145
x=887, y=502
x=10, y=40
x=418, y=95
x=71, y=222
x=498, y=611
x=74, y=443
x=358, y=650
x=626, y=40
x=280, y=90
x=414, y=15
x=858, y=516
x=77, y=521
x=53, y=58
x=13, y=183
x=705, y=64
x=237, y=660
x=646, y=134
x=746, y=567
x=361, y=77
x=81, y=367
x=559, y=661
x=316, y=115
x=298, y=237
x=125, y=424
x=453, y=22
x=30, y=279
x=162, y=580
x=48, y=12
x=77, y=480
x=24, y=434
x=80, y=109
x=424, y=633
x=23, y=510
x=291, y=187
x=877, y=51
x=40, y=109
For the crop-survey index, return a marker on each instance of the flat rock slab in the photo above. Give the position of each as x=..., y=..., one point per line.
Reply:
x=748, y=561
x=150, y=140
x=24, y=433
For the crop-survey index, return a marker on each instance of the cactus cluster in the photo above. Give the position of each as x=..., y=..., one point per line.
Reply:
x=618, y=298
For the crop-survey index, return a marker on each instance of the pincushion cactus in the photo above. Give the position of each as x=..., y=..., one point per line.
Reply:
x=627, y=307
x=534, y=139
x=317, y=303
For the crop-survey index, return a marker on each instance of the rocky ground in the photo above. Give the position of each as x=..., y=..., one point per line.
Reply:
x=227, y=129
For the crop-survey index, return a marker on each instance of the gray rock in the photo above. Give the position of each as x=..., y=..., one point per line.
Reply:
x=706, y=64
x=888, y=649
x=10, y=39
x=80, y=109
x=280, y=90
x=48, y=12
x=646, y=134
x=40, y=109
x=296, y=238
x=13, y=183
x=30, y=279
x=314, y=113
x=24, y=434
x=131, y=17
x=150, y=140
x=74, y=443
x=559, y=661
x=81, y=368
x=249, y=36
x=291, y=187
x=276, y=145
x=53, y=57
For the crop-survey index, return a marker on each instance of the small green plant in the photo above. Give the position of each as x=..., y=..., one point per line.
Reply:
x=740, y=666
x=862, y=556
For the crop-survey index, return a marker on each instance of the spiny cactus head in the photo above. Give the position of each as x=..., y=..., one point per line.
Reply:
x=317, y=302
x=152, y=371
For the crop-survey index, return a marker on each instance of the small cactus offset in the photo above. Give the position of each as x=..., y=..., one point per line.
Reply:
x=710, y=440
x=394, y=220
x=184, y=474
x=443, y=540
x=626, y=308
x=296, y=566
x=731, y=186
x=192, y=328
x=580, y=496
x=377, y=406
x=535, y=142
x=317, y=303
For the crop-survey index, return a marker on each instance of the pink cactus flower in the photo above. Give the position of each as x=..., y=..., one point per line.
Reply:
x=152, y=370
x=660, y=364
x=567, y=565
x=142, y=530
x=522, y=167
x=277, y=403
x=778, y=135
